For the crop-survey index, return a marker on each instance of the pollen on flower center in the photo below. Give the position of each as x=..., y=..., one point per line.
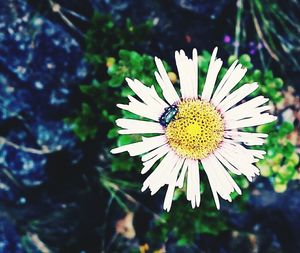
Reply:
x=196, y=130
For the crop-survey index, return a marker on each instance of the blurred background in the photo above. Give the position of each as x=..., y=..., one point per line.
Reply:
x=62, y=70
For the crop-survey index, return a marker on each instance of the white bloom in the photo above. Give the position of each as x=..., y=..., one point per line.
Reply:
x=193, y=129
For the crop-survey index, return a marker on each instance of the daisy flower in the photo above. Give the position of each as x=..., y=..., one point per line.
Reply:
x=191, y=129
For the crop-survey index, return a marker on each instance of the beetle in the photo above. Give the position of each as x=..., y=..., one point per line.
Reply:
x=168, y=115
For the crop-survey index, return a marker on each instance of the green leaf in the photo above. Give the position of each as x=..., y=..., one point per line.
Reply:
x=293, y=159
x=182, y=242
x=231, y=59
x=266, y=128
x=245, y=60
x=257, y=74
x=288, y=149
x=287, y=127
x=112, y=133
x=124, y=140
x=278, y=83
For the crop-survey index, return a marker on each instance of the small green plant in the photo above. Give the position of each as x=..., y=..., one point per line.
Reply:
x=104, y=41
x=281, y=159
x=105, y=38
x=95, y=119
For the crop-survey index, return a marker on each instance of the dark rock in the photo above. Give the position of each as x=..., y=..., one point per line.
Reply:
x=9, y=191
x=208, y=8
x=40, y=64
x=23, y=158
x=113, y=6
x=272, y=217
x=9, y=239
x=45, y=60
x=53, y=135
x=12, y=101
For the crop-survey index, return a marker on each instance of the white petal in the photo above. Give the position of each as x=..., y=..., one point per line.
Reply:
x=166, y=85
x=236, y=164
x=245, y=134
x=236, y=75
x=250, y=113
x=189, y=190
x=155, y=96
x=193, y=182
x=159, y=177
x=148, y=95
x=257, y=153
x=182, y=69
x=239, y=161
x=188, y=74
x=196, y=183
x=225, y=78
x=254, y=142
x=249, y=154
x=138, y=148
x=226, y=163
x=141, y=131
x=248, y=108
x=246, y=138
x=222, y=186
x=172, y=183
x=254, y=121
x=191, y=185
x=237, y=96
x=221, y=182
x=133, y=126
x=227, y=175
x=153, y=156
x=180, y=180
x=195, y=73
x=212, y=74
x=239, y=150
x=141, y=109
x=168, y=162
x=169, y=197
x=149, y=164
x=212, y=180
x=155, y=152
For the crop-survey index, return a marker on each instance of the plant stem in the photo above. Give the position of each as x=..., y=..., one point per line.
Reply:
x=239, y=4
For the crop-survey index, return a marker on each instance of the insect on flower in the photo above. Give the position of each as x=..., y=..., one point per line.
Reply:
x=168, y=115
x=192, y=130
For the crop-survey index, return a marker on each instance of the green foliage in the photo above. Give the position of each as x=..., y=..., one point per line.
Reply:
x=85, y=124
x=109, y=51
x=105, y=38
x=187, y=223
x=105, y=95
x=104, y=41
x=134, y=65
x=281, y=159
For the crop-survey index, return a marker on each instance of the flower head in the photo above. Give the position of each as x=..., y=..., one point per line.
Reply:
x=191, y=129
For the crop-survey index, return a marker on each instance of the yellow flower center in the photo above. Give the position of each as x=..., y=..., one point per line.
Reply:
x=196, y=130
